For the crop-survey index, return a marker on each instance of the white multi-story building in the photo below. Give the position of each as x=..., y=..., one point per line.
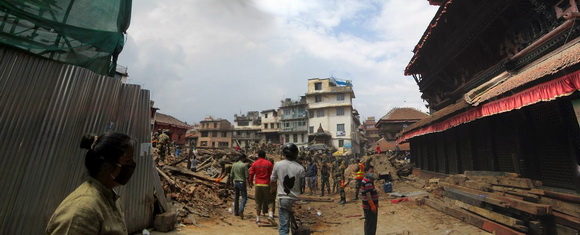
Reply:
x=270, y=126
x=330, y=107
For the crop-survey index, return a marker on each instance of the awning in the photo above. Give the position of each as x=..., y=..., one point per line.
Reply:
x=559, y=87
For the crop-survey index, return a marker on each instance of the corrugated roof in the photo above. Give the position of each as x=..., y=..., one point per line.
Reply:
x=168, y=119
x=404, y=114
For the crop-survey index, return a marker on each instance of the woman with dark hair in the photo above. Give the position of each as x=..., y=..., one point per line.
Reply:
x=93, y=207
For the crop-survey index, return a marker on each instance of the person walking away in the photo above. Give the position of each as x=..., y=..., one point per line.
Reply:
x=358, y=177
x=370, y=201
x=311, y=174
x=193, y=163
x=286, y=178
x=324, y=178
x=261, y=171
x=239, y=177
x=94, y=208
x=271, y=199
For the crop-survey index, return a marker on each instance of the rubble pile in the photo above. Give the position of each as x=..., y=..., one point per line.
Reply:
x=388, y=164
x=196, y=193
x=505, y=203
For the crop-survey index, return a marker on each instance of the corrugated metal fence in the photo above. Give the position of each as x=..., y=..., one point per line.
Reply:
x=45, y=108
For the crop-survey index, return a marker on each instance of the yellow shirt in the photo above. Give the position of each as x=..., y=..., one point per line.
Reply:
x=91, y=209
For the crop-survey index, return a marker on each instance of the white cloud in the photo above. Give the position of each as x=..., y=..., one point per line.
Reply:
x=219, y=57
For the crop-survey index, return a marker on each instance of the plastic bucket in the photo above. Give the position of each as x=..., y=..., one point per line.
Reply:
x=388, y=187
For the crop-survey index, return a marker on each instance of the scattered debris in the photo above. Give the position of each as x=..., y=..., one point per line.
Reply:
x=504, y=203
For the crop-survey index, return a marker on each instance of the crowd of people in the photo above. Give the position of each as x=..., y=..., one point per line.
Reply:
x=287, y=179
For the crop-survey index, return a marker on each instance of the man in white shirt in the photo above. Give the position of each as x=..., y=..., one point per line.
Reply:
x=286, y=178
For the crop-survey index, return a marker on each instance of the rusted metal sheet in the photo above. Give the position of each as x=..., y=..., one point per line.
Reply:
x=45, y=108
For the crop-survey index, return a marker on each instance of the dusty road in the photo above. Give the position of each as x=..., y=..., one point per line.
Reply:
x=402, y=218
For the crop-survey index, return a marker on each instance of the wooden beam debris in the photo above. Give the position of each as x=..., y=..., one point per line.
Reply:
x=473, y=219
x=497, y=217
x=505, y=203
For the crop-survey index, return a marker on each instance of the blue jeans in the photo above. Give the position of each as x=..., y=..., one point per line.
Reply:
x=284, y=211
x=240, y=187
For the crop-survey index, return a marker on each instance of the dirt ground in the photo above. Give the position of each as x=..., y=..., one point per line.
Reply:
x=405, y=217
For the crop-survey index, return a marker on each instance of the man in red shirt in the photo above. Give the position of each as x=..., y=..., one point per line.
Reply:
x=261, y=171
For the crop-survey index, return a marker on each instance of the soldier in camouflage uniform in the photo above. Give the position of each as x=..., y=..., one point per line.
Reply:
x=337, y=172
x=163, y=142
x=324, y=178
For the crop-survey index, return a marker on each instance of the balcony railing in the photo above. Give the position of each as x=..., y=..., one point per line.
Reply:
x=294, y=129
x=293, y=116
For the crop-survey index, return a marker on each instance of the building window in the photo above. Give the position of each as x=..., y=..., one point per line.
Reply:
x=265, y=125
x=317, y=98
x=213, y=144
x=301, y=138
x=215, y=125
x=286, y=124
x=339, y=111
x=265, y=115
x=295, y=138
x=203, y=143
x=302, y=123
x=340, y=130
x=204, y=134
x=287, y=111
x=318, y=86
x=340, y=97
x=340, y=143
x=278, y=125
x=311, y=114
x=224, y=134
x=223, y=144
x=287, y=138
x=214, y=134
x=320, y=113
x=310, y=129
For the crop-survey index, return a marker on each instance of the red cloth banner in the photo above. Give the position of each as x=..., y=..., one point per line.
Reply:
x=562, y=86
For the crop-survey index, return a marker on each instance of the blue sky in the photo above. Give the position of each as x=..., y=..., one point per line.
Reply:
x=219, y=57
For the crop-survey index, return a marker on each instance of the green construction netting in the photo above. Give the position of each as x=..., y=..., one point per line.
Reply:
x=87, y=33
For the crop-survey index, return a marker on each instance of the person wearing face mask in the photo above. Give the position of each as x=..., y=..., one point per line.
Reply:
x=94, y=208
x=370, y=201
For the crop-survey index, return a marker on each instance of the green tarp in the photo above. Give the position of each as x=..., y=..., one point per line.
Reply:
x=87, y=33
